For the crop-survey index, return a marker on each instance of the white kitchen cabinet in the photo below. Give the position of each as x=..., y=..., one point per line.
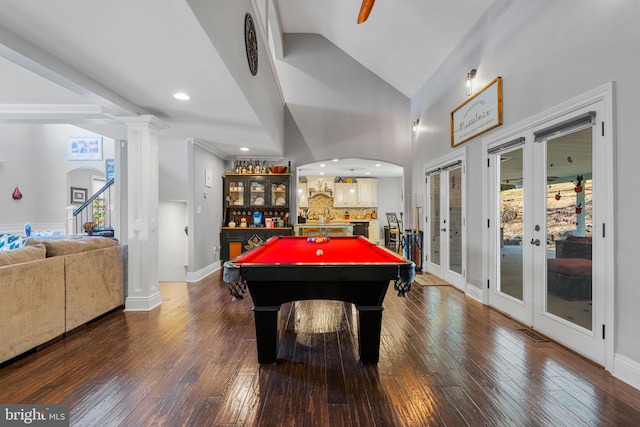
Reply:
x=367, y=192
x=374, y=231
x=319, y=184
x=345, y=195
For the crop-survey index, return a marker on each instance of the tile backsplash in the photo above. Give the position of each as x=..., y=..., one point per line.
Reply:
x=320, y=204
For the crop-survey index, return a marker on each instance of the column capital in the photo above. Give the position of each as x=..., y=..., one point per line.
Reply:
x=149, y=121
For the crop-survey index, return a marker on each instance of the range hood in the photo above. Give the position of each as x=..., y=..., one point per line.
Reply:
x=321, y=193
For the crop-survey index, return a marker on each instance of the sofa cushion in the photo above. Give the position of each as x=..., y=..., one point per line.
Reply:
x=572, y=267
x=11, y=241
x=23, y=254
x=80, y=244
x=32, y=241
x=579, y=239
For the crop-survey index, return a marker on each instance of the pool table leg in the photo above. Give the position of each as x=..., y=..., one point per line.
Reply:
x=266, y=319
x=369, y=326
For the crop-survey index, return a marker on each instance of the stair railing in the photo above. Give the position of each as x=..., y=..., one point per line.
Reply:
x=98, y=208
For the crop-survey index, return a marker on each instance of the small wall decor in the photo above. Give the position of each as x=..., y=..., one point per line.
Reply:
x=85, y=148
x=251, y=44
x=208, y=178
x=17, y=195
x=478, y=114
x=110, y=169
x=78, y=195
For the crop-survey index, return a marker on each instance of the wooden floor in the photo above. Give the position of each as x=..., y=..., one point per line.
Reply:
x=444, y=360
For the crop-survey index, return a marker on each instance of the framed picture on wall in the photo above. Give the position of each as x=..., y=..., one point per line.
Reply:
x=78, y=195
x=85, y=148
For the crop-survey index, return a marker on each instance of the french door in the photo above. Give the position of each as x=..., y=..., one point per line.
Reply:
x=445, y=221
x=547, y=241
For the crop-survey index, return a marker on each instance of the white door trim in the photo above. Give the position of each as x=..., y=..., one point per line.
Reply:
x=603, y=93
x=459, y=154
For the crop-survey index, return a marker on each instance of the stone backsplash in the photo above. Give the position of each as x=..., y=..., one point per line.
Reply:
x=320, y=204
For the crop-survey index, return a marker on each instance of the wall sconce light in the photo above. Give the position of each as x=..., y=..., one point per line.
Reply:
x=469, y=81
x=414, y=127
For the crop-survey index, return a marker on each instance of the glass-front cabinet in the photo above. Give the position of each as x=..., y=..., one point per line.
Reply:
x=259, y=191
x=279, y=194
x=256, y=207
x=235, y=192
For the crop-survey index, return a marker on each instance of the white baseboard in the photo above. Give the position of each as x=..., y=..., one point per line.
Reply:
x=473, y=292
x=626, y=370
x=143, y=303
x=196, y=276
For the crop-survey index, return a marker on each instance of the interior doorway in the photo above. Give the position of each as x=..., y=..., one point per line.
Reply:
x=352, y=200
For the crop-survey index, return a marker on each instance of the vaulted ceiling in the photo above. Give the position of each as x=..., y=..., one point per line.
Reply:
x=87, y=62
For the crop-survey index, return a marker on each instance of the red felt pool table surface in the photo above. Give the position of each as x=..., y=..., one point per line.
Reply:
x=338, y=250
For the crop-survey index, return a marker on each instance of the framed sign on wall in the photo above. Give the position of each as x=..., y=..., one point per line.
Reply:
x=85, y=148
x=478, y=114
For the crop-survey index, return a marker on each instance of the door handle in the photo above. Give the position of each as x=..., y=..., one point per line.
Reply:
x=535, y=242
x=443, y=229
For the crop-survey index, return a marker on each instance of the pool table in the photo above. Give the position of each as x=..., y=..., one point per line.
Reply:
x=293, y=268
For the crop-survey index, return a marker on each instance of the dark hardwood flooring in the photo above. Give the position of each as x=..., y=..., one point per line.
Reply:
x=445, y=360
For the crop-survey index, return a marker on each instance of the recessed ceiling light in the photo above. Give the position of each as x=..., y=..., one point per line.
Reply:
x=378, y=165
x=334, y=160
x=367, y=173
x=322, y=165
x=244, y=149
x=181, y=96
x=321, y=173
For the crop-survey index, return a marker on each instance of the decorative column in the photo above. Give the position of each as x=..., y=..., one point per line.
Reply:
x=142, y=212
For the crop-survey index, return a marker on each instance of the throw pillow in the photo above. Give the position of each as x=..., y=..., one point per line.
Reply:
x=11, y=241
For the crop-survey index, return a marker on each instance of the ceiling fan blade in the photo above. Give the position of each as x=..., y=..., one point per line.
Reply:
x=365, y=9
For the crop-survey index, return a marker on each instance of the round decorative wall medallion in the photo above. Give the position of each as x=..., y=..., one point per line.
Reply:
x=251, y=43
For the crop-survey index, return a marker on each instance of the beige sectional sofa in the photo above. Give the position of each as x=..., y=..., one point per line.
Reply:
x=48, y=288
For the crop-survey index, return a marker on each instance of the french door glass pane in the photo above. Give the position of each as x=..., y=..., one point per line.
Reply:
x=511, y=224
x=455, y=220
x=569, y=219
x=434, y=218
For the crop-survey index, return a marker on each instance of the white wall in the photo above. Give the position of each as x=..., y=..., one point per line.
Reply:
x=186, y=201
x=548, y=52
x=221, y=20
x=36, y=160
x=389, y=200
x=205, y=210
x=338, y=109
x=173, y=169
x=173, y=242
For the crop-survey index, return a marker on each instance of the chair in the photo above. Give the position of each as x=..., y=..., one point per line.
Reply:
x=395, y=230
